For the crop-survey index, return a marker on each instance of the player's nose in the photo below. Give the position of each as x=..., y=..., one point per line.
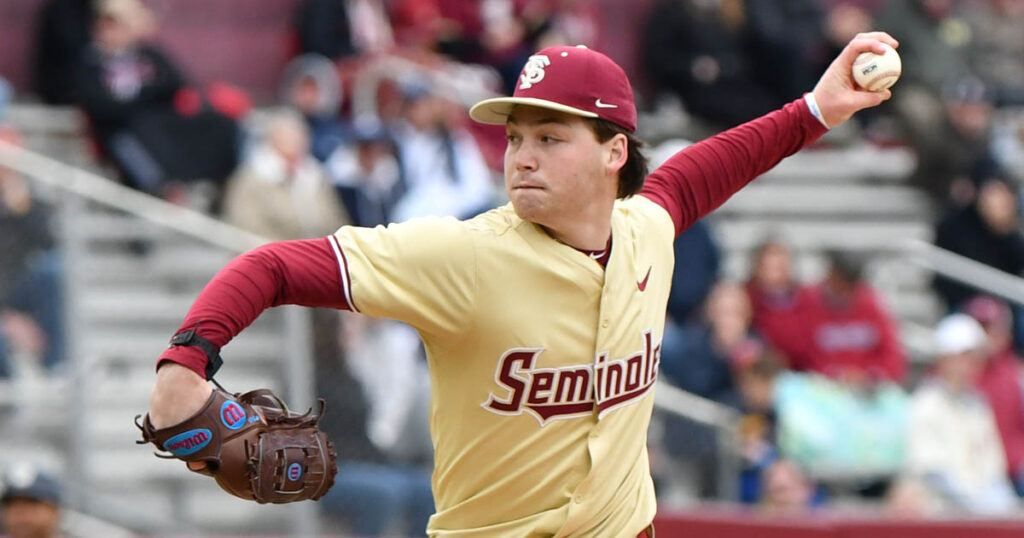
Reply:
x=523, y=159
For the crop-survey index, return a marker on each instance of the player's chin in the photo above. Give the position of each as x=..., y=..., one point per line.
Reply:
x=528, y=205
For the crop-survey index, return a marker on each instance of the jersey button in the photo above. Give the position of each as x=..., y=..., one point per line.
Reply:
x=605, y=324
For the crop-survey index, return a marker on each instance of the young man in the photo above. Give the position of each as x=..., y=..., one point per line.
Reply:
x=542, y=319
x=30, y=503
x=953, y=444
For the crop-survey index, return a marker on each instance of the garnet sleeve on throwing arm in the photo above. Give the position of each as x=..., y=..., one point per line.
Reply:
x=698, y=179
x=301, y=272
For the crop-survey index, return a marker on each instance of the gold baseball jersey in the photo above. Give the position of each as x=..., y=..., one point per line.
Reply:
x=542, y=364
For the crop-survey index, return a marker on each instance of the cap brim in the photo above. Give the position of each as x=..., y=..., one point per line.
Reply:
x=496, y=111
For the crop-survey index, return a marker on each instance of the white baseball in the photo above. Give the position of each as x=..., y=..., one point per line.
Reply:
x=876, y=72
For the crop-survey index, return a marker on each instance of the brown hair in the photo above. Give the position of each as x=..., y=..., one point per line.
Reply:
x=633, y=173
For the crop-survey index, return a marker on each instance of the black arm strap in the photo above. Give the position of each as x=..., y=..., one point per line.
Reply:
x=190, y=338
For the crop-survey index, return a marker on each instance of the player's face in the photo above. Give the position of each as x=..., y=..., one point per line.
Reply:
x=557, y=174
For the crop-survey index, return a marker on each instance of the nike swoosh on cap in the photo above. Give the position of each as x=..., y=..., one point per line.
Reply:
x=599, y=104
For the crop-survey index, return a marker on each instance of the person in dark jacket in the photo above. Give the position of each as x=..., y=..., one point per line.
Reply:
x=985, y=231
x=62, y=29
x=131, y=93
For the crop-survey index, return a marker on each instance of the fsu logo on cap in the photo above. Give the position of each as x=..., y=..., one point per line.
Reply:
x=533, y=71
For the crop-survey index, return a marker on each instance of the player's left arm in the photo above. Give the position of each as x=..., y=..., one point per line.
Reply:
x=698, y=179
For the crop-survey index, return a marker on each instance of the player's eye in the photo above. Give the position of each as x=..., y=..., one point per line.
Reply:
x=548, y=139
x=511, y=138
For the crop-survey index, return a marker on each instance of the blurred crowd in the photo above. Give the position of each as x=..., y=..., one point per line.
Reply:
x=369, y=127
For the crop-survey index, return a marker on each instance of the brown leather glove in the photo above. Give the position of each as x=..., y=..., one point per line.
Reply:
x=253, y=446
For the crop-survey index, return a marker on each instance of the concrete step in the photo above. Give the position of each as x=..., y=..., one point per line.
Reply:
x=146, y=344
x=856, y=164
x=158, y=271
x=135, y=306
x=871, y=237
x=839, y=202
x=209, y=508
x=112, y=227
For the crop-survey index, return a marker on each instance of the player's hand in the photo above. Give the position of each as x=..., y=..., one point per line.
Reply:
x=178, y=394
x=837, y=94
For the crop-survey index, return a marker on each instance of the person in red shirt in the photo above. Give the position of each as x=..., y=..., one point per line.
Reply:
x=852, y=336
x=778, y=301
x=1002, y=380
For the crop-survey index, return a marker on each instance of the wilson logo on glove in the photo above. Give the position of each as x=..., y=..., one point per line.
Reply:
x=253, y=446
x=232, y=415
x=294, y=472
x=188, y=442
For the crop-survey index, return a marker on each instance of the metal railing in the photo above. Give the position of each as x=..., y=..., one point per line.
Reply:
x=86, y=186
x=722, y=419
x=965, y=270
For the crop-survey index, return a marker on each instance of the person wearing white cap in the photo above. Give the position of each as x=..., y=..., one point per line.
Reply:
x=953, y=444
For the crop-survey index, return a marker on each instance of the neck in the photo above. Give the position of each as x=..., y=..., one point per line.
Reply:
x=588, y=228
x=583, y=237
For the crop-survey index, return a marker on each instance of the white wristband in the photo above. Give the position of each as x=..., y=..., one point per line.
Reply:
x=812, y=105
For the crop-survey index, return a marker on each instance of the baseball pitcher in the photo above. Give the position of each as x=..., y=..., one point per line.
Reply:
x=542, y=320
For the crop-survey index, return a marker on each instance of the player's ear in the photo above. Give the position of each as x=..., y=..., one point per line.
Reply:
x=616, y=152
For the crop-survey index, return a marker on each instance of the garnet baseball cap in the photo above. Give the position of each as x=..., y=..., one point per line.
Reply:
x=575, y=80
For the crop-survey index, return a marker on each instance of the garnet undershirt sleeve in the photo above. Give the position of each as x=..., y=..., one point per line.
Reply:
x=698, y=179
x=289, y=272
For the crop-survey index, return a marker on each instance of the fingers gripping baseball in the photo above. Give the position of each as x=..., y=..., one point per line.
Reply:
x=838, y=95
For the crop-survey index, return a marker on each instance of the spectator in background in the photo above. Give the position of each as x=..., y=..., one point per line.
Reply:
x=30, y=503
x=697, y=359
x=367, y=175
x=778, y=301
x=131, y=94
x=311, y=85
x=996, y=48
x=939, y=108
x=280, y=191
x=986, y=231
x=755, y=369
x=956, y=144
x=787, y=490
x=786, y=44
x=909, y=499
x=337, y=29
x=853, y=338
x=695, y=272
x=702, y=364
x=442, y=166
x=934, y=40
x=383, y=482
x=953, y=443
x=63, y=28
x=698, y=259
x=1002, y=380
x=695, y=50
x=564, y=22
x=31, y=324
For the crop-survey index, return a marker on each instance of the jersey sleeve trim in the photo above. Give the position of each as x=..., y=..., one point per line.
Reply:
x=346, y=279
